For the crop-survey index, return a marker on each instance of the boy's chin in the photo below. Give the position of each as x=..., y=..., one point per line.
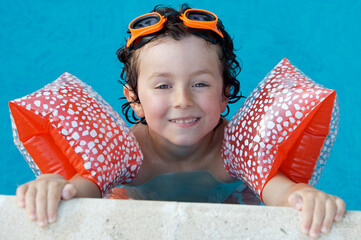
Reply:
x=189, y=141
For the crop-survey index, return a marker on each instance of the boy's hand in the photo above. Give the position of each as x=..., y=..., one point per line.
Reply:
x=319, y=209
x=41, y=197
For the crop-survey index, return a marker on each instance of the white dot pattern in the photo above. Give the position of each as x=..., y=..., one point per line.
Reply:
x=278, y=105
x=107, y=150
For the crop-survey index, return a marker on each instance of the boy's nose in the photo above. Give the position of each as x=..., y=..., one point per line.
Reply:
x=182, y=99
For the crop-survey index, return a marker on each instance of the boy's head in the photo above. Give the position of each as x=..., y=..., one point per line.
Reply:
x=167, y=22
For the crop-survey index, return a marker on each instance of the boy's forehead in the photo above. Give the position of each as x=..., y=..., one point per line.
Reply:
x=189, y=42
x=191, y=49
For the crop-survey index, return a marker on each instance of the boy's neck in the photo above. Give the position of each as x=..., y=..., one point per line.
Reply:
x=195, y=155
x=172, y=152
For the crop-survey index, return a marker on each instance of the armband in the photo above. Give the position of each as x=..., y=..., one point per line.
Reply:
x=288, y=123
x=67, y=128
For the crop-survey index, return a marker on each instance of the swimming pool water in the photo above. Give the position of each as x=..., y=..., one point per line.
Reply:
x=40, y=40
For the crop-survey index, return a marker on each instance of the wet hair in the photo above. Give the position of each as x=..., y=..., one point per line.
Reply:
x=175, y=29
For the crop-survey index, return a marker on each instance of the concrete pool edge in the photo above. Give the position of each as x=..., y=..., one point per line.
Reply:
x=134, y=219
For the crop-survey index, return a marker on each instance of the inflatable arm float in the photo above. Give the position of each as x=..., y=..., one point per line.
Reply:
x=67, y=128
x=288, y=123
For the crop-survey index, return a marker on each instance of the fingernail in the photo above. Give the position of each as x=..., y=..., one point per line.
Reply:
x=21, y=204
x=42, y=223
x=324, y=229
x=32, y=217
x=313, y=234
x=65, y=194
x=51, y=219
x=305, y=230
x=338, y=217
x=298, y=206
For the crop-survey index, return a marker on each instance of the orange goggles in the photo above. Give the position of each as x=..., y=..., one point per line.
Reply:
x=153, y=22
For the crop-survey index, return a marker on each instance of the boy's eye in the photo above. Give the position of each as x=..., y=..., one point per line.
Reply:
x=200, y=85
x=163, y=86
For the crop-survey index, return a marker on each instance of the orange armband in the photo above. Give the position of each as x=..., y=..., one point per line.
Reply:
x=67, y=128
x=288, y=123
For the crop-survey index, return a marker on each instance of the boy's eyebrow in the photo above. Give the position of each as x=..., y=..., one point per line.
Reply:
x=161, y=74
x=168, y=74
x=202, y=71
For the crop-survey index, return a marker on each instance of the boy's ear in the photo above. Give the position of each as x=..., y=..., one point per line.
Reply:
x=130, y=96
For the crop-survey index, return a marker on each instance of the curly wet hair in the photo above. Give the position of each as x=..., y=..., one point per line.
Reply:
x=175, y=29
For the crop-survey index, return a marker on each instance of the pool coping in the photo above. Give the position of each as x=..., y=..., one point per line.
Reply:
x=134, y=219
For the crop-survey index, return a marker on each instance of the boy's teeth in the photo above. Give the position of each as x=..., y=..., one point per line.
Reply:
x=185, y=121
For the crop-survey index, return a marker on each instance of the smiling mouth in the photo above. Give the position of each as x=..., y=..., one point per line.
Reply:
x=184, y=121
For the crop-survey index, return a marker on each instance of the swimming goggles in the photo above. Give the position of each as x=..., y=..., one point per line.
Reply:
x=153, y=22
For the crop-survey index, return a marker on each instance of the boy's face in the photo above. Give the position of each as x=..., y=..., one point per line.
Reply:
x=180, y=89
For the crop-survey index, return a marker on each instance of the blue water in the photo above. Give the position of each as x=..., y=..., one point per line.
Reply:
x=39, y=40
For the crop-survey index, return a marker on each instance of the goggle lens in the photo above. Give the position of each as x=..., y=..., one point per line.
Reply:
x=145, y=21
x=200, y=16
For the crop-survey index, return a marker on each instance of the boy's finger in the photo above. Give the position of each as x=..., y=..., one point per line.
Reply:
x=54, y=197
x=69, y=191
x=341, y=207
x=318, y=216
x=20, y=195
x=307, y=214
x=41, y=204
x=295, y=201
x=30, y=202
x=331, y=208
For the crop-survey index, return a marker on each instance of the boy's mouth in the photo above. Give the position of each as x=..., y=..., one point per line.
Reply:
x=184, y=120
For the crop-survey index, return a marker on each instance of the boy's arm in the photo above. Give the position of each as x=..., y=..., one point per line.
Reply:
x=319, y=209
x=85, y=187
